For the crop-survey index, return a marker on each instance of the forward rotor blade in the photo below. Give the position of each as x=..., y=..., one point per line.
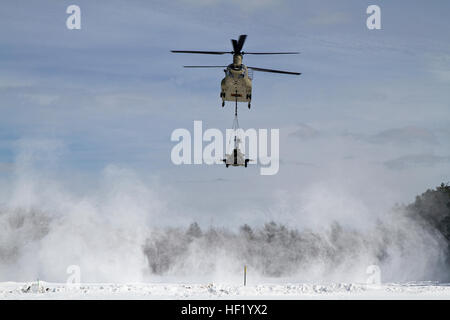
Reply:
x=200, y=52
x=235, y=45
x=270, y=52
x=274, y=71
x=204, y=66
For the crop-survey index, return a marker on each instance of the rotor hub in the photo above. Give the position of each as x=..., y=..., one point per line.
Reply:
x=237, y=60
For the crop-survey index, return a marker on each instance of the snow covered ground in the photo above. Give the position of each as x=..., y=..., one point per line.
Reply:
x=45, y=290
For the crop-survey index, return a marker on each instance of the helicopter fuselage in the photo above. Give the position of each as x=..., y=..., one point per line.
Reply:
x=237, y=85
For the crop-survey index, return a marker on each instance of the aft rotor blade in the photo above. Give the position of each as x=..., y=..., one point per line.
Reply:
x=238, y=44
x=274, y=71
x=200, y=52
x=270, y=52
x=204, y=66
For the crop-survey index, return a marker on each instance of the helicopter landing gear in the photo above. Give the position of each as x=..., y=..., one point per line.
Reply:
x=227, y=165
x=249, y=105
x=223, y=103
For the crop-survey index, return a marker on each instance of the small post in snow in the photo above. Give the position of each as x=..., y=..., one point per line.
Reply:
x=245, y=275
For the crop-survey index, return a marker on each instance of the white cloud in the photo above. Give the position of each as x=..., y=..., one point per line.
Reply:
x=329, y=18
x=42, y=99
x=440, y=67
x=245, y=5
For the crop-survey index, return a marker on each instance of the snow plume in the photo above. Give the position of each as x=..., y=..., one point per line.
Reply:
x=403, y=253
x=45, y=229
x=321, y=235
x=115, y=233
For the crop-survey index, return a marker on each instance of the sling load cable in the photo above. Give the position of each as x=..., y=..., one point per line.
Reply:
x=235, y=127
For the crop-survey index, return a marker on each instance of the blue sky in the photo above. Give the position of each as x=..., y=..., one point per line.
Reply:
x=370, y=106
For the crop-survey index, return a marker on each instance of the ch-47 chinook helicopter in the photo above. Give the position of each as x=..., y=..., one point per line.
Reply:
x=237, y=84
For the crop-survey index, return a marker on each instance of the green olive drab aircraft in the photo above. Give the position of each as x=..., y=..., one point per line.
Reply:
x=237, y=84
